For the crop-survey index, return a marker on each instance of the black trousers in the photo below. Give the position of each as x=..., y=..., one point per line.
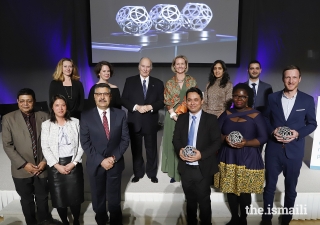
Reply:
x=150, y=142
x=30, y=190
x=106, y=186
x=197, y=191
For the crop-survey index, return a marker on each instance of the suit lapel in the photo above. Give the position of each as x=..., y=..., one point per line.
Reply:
x=201, y=128
x=139, y=86
x=39, y=119
x=113, y=117
x=98, y=122
x=295, y=106
x=279, y=105
x=20, y=120
x=150, y=87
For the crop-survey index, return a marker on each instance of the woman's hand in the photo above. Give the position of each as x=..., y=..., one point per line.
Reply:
x=61, y=169
x=70, y=166
x=236, y=145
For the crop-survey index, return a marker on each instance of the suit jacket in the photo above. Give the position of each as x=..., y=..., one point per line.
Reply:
x=133, y=94
x=50, y=140
x=95, y=143
x=17, y=142
x=208, y=141
x=302, y=119
x=261, y=100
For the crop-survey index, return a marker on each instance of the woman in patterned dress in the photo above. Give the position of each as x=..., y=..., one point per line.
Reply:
x=218, y=94
x=241, y=169
x=174, y=99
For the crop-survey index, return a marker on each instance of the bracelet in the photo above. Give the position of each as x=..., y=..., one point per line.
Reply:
x=172, y=115
x=75, y=163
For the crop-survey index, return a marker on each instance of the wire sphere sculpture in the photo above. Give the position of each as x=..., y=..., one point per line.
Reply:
x=284, y=132
x=166, y=18
x=134, y=20
x=196, y=16
x=235, y=137
x=188, y=151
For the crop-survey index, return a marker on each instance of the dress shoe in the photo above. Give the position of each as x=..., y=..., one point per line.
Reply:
x=154, y=179
x=135, y=179
x=265, y=222
x=172, y=180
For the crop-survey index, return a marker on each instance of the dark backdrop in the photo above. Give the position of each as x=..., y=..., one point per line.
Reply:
x=36, y=34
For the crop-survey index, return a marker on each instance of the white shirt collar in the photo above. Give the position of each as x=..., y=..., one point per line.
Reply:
x=256, y=82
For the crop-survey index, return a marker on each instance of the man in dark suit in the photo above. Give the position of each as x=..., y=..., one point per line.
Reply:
x=296, y=110
x=143, y=97
x=104, y=137
x=21, y=131
x=201, y=130
x=260, y=88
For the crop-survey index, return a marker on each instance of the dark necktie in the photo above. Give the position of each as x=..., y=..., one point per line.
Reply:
x=144, y=89
x=191, y=131
x=254, y=93
x=106, y=125
x=33, y=139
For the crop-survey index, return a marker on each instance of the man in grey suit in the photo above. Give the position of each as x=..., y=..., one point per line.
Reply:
x=260, y=88
x=21, y=142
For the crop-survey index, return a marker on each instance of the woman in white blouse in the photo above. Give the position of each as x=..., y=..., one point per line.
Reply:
x=62, y=149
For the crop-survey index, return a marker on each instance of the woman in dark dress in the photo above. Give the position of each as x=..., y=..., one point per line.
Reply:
x=104, y=71
x=62, y=149
x=241, y=169
x=66, y=82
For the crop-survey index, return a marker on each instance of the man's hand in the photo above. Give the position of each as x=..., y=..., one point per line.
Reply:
x=148, y=107
x=195, y=157
x=30, y=168
x=141, y=109
x=107, y=163
x=182, y=156
x=41, y=168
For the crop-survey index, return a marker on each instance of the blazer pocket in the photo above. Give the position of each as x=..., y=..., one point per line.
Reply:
x=300, y=109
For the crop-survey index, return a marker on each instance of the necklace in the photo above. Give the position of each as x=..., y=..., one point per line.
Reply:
x=180, y=81
x=69, y=96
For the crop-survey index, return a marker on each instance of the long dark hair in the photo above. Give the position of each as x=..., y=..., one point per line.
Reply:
x=225, y=77
x=53, y=118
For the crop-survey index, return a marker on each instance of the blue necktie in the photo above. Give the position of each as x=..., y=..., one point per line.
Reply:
x=254, y=93
x=144, y=89
x=191, y=131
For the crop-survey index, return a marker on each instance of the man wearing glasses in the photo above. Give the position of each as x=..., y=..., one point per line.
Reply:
x=21, y=141
x=104, y=138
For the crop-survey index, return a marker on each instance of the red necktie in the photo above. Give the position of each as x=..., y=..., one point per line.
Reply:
x=106, y=124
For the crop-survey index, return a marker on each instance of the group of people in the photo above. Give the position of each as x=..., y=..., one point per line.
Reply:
x=52, y=161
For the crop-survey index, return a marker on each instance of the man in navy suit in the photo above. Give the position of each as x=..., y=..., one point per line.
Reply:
x=261, y=89
x=143, y=97
x=104, y=137
x=296, y=110
x=201, y=130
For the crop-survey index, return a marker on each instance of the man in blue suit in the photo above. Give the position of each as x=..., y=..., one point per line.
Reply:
x=261, y=89
x=104, y=137
x=296, y=110
x=143, y=97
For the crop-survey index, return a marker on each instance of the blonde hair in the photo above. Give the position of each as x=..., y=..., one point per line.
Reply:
x=174, y=62
x=58, y=74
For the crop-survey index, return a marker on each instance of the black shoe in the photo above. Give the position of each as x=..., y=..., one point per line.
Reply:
x=172, y=180
x=154, y=179
x=265, y=222
x=233, y=221
x=135, y=179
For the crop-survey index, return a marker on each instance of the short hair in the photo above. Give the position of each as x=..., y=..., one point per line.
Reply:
x=225, y=77
x=102, y=85
x=195, y=89
x=248, y=89
x=27, y=91
x=58, y=74
x=99, y=65
x=174, y=62
x=253, y=61
x=291, y=67
x=54, y=98
x=146, y=58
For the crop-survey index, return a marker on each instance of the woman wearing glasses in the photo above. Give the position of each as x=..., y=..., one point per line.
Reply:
x=66, y=82
x=241, y=169
x=217, y=96
x=62, y=149
x=104, y=71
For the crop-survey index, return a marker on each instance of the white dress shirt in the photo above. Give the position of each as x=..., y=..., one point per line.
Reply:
x=198, y=116
x=287, y=104
x=257, y=85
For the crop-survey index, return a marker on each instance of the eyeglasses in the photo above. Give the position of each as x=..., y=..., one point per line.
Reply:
x=241, y=97
x=102, y=94
x=26, y=101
